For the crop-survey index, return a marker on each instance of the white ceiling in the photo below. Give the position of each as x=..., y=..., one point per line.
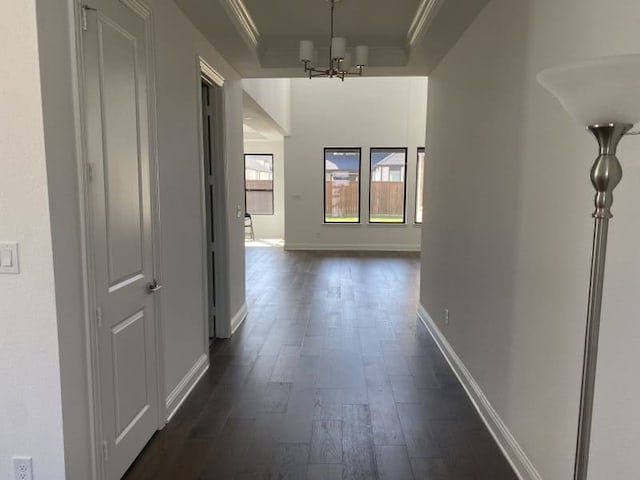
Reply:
x=260, y=38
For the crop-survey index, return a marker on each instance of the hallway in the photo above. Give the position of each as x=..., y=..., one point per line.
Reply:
x=331, y=376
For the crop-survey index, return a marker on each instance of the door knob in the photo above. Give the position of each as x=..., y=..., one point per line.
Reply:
x=153, y=287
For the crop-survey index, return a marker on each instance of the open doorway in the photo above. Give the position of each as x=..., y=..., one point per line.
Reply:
x=263, y=177
x=213, y=194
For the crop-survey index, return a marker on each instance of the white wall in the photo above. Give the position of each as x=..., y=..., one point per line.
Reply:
x=359, y=112
x=274, y=96
x=507, y=232
x=177, y=45
x=271, y=226
x=50, y=232
x=235, y=194
x=30, y=402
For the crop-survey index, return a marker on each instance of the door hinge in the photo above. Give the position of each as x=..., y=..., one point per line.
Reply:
x=84, y=16
x=99, y=316
x=105, y=451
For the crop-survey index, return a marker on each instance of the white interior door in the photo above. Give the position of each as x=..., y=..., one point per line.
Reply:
x=118, y=154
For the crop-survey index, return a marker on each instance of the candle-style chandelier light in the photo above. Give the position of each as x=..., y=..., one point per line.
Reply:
x=339, y=58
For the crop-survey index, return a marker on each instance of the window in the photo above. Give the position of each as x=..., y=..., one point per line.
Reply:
x=419, y=185
x=387, y=185
x=258, y=184
x=342, y=185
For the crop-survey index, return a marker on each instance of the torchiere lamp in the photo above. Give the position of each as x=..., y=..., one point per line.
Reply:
x=604, y=95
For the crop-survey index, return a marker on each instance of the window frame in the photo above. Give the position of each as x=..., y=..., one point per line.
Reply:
x=273, y=182
x=404, y=194
x=424, y=159
x=324, y=185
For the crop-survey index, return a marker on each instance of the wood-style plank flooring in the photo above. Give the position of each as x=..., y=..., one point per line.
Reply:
x=331, y=377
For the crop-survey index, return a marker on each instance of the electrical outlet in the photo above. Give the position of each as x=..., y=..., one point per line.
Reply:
x=446, y=316
x=22, y=468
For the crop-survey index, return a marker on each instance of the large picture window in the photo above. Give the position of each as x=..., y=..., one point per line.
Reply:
x=258, y=184
x=419, y=185
x=387, y=185
x=342, y=185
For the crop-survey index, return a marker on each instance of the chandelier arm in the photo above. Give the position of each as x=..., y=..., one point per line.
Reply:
x=314, y=70
x=318, y=73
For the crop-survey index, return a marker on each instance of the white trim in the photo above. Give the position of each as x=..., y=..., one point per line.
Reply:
x=210, y=72
x=425, y=14
x=371, y=247
x=514, y=454
x=180, y=393
x=139, y=7
x=243, y=22
x=146, y=14
x=86, y=241
x=238, y=318
x=203, y=209
x=222, y=326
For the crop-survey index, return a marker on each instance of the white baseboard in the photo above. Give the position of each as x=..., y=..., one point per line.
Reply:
x=503, y=437
x=238, y=318
x=184, y=387
x=372, y=247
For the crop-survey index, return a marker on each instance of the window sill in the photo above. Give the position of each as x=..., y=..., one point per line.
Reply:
x=342, y=224
x=387, y=224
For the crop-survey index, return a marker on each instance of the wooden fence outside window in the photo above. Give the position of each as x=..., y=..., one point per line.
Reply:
x=341, y=199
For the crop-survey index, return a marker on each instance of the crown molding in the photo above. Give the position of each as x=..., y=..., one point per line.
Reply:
x=243, y=22
x=427, y=10
x=138, y=7
x=210, y=72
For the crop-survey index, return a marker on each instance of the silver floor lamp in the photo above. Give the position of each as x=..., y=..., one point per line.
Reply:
x=604, y=95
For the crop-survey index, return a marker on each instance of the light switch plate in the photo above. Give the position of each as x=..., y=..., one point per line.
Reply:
x=9, y=257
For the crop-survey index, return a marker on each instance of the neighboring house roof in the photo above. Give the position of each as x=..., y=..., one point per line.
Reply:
x=392, y=160
x=329, y=165
x=253, y=163
x=334, y=170
x=342, y=161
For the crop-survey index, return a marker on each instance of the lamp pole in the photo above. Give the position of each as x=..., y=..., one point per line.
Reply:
x=606, y=173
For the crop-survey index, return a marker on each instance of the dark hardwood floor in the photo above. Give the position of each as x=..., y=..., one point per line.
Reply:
x=332, y=376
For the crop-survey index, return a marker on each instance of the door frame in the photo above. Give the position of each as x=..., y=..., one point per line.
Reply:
x=140, y=9
x=206, y=72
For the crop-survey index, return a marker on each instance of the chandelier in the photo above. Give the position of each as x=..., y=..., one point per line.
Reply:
x=339, y=58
